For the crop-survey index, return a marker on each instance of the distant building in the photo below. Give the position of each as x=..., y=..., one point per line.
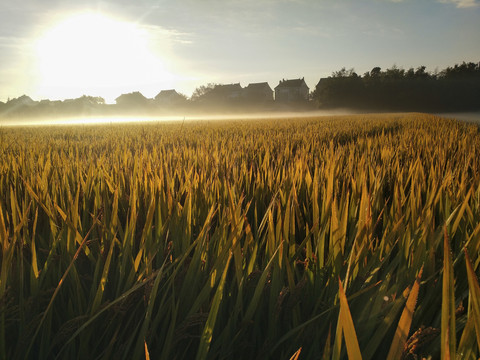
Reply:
x=169, y=97
x=225, y=92
x=258, y=92
x=291, y=90
x=23, y=100
x=131, y=99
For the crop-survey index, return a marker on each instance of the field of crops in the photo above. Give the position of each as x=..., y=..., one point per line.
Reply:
x=334, y=237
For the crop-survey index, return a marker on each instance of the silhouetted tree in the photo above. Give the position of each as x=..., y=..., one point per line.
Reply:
x=455, y=88
x=376, y=72
x=202, y=90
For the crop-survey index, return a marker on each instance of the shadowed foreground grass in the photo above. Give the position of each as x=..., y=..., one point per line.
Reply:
x=332, y=237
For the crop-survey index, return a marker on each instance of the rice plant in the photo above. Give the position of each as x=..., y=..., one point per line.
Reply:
x=303, y=238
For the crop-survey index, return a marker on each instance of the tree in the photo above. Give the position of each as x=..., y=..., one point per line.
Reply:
x=376, y=72
x=420, y=73
x=344, y=73
x=202, y=91
x=456, y=88
x=394, y=73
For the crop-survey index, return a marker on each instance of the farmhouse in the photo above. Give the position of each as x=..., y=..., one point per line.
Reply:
x=169, y=97
x=291, y=90
x=132, y=99
x=258, y=92
x=226, y=92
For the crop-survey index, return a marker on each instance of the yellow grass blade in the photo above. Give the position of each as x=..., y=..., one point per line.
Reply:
x=327, y=349
x=146, y=230
x=448, y=343
x=296, y=355
x=6, y=256
x=466, y=345
x=461, y=212
x=345, y=319
x=474, y=297
x=3, y=230
x=33, y=249
x=403, y=328
x=147, y=354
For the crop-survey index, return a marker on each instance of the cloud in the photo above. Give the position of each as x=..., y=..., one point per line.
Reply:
x=462, y=3
x=158, y=32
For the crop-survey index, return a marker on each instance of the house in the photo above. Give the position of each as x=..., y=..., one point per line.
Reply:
x=132, y=99
x=258, y=92
x=225, y=92
x=169, y=97
x=19, y=105
x=21, y=101
x=291, y=90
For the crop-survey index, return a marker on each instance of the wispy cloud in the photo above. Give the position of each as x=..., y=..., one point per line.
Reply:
x=167, y=34
x=462, y=3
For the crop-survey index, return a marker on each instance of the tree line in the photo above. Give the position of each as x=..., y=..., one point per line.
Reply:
x=455, y=88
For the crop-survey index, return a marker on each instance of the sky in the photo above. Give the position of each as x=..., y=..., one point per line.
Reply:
x=60, y=49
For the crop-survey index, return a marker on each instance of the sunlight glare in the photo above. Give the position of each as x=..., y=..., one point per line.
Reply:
x=93, y=54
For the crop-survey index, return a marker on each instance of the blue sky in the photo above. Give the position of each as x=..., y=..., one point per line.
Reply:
x=226, y=41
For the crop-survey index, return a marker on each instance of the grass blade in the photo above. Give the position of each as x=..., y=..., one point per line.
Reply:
x=207, y=334
x=57, y=289
x=296, y=355
x=147, y=355
x=403, y=328
x=474, y=297
x=348, y=329
x=448, y=342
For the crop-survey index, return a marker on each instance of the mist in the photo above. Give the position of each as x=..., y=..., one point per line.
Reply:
x=203, y=116
x=472, y=117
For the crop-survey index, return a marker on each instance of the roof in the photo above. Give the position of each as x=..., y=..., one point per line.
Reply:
x=291, y=83
x=228, y=87
x=134, y=96
x=224, y=90
x=21, y=101
x=168, y=92
x=257, y=86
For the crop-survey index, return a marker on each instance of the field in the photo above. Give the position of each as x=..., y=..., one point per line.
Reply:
x=332, y=237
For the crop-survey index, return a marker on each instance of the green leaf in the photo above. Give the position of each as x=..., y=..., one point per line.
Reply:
x=207, y=334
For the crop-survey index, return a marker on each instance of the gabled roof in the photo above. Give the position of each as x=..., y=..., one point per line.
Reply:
x=167, y=94
x=131, y=97
x=22, y=100
x=224, y=91
x=292, y=83
x=227, y=87
x=258, y=86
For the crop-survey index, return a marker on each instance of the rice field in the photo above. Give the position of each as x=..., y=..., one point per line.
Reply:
x=311, y=238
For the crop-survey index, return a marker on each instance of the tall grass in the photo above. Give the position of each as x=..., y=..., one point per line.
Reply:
x=304, y=238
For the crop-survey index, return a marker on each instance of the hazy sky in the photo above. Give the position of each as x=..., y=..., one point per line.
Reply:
x=61, y=49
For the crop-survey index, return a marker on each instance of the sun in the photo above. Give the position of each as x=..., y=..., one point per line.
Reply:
x=93, y=54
